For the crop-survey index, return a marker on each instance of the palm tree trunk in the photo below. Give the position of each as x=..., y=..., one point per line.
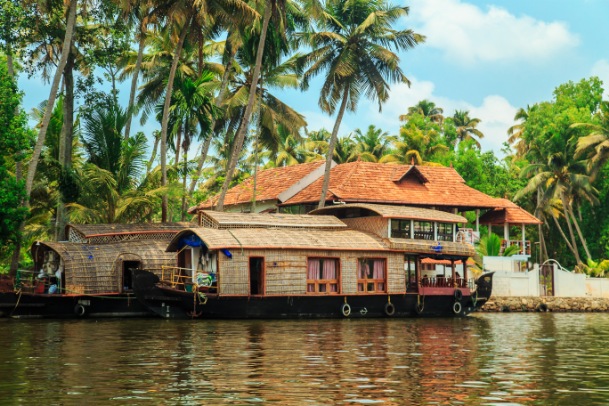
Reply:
x=157, y=139
x=65, y=143
x=165, y=120
x=579, y=232
x=564, y=236
x=333, y=138
x=183, y=214
x=136, y=72
x=67, y=43
x=565, y=204
x=240, y=137
x=218, y=101
x=202, y=158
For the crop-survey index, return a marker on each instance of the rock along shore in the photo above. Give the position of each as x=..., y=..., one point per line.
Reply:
x=546, y=304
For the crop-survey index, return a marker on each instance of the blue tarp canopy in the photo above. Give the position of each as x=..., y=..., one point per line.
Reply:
x=191, y=240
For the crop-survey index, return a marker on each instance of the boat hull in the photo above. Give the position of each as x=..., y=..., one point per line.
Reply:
x=33, y=305
x=172, y=303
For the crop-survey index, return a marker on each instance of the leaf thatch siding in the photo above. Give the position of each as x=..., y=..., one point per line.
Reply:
x=286, y=271
x=92, y=269
x=375, y=225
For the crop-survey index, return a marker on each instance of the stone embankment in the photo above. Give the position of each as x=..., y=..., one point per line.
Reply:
x=546, y=304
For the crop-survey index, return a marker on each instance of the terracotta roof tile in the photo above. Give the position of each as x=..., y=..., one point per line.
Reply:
x=389, y=183
x=270, y=184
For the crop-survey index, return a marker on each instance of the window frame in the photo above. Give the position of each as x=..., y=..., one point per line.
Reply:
x=400, y=232
x=366, y=282
x=323, y=286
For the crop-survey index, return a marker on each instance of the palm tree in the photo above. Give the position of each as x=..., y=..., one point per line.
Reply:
x=270, y=7
x=515, y=132
x=372, y=145
x=427, y=109
x=565, y=180
x=466, y=127
x=596, y=144
x=352, y=46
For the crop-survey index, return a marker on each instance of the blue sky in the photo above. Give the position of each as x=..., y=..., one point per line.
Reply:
x=488, y=57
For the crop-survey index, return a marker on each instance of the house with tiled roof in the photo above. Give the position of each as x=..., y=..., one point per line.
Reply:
x=297, y=190
x=271, y=188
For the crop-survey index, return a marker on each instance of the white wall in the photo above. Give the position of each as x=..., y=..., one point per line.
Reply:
x=508, y=283
x=568, y=284
x=597, y=287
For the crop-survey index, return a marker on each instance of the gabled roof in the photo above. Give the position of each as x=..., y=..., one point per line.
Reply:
x=279, y=239
x=387, y=211
x=510, y=213
x=271, y=184
x=369, y=182
x=223, y=220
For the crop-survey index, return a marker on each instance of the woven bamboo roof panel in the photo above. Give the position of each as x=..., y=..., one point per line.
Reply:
x=388, y=211
x=91, y=269
x=282, y=238
x=270, y=183
x=431, y=247
x=370, y=182
x=225, y=220
x=110, y=233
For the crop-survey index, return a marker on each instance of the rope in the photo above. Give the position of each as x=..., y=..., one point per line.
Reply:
x=18, y=300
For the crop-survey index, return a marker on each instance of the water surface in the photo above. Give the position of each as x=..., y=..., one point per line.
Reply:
x=484, y=359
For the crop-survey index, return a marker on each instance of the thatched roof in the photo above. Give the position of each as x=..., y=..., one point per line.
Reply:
x=224, y=220
x=97, y=268
x=388, y=211
x=281, y=238
x=103, y=233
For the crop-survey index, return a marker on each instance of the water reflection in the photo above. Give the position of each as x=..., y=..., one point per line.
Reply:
x=485, y=359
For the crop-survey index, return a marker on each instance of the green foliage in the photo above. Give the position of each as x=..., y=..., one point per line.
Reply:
x=14, y=139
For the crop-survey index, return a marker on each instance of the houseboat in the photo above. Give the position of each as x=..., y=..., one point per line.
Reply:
x=89, y=275
x=352, y=260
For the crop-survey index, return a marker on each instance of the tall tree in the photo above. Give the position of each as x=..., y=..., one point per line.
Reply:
x=466, y=127
x=352, y=46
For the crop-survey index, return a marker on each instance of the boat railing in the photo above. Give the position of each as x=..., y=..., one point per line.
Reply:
x=439, y=282
x=176, y=277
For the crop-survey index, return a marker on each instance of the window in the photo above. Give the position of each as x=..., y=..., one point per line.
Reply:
x=322, y=275
x=423, y=230
x=400, y=228
x=371, y=275
x=445, y=232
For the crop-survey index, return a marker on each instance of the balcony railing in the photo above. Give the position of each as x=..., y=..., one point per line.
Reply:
x=524, y=251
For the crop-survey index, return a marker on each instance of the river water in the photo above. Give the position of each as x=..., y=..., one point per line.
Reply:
x=485, y=359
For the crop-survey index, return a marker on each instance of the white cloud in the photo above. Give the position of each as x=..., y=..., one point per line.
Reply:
x=467, y=35
x=601, y=69
x=317, y=120
x=496, y=113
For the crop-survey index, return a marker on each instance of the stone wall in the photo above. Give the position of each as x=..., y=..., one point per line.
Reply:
x=547, y=303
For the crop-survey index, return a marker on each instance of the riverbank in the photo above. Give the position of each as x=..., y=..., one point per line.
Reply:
x=543, y=304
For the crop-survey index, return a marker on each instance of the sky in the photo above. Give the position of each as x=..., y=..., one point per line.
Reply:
x=487, y=57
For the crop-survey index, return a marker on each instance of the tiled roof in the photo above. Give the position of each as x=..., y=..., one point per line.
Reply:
x=510, y=213
x=396, y=212
x=270, y=183
x=394, y=184
x=216, y=219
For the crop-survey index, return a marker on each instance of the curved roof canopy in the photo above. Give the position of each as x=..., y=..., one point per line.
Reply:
x=387, y=211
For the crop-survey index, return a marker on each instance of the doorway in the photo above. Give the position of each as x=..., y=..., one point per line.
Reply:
x=256, y=275
x=127, y=276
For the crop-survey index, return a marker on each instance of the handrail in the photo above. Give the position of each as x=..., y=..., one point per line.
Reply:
x=553, y=261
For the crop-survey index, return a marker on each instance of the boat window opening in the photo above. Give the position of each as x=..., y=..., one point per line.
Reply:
x=127, y=267
x=410, y=269
x=322, y=275
x=423, y=230
x=371, y=275
x=445, y=232
x=400, y=228
x=256, y=275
